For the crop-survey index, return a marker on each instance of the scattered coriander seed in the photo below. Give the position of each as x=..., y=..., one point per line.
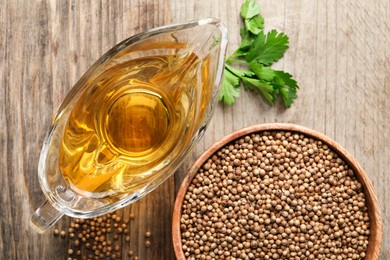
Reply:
x=93, y=238
x=148, y=234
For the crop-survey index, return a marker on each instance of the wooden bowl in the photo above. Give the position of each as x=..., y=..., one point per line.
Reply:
x=375, y=237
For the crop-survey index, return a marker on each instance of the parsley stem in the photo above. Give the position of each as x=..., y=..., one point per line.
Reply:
x=236, y=61
x=230, y=58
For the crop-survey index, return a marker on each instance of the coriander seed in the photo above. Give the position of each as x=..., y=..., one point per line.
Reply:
x=275, y=195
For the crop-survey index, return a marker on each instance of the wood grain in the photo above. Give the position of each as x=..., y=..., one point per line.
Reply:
x=338, y=53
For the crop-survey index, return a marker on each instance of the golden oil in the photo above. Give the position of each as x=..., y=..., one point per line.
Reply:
x=128, y=122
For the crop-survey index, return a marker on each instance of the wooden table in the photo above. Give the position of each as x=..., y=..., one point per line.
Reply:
x=339, y=53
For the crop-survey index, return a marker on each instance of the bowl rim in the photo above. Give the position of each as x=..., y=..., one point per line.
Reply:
x=374, y=212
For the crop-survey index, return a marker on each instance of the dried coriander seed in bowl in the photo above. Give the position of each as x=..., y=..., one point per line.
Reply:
x=276, y=191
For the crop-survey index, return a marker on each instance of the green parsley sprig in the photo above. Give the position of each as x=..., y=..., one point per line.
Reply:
x=258, y=51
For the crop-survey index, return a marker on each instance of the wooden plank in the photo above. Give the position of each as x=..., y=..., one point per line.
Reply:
x=338, y=52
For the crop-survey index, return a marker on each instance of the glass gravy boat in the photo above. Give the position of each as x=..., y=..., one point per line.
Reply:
x=130, y=121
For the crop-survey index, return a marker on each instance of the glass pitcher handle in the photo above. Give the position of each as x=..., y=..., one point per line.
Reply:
x=44, y=217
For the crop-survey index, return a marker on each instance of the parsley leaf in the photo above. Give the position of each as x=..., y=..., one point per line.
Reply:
x=263, y=87
x=287, y=87
x=249, y=9
x=268, y=49
x=230, y=90
x=255, y=24
x=262, y=72
x=258, y=51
